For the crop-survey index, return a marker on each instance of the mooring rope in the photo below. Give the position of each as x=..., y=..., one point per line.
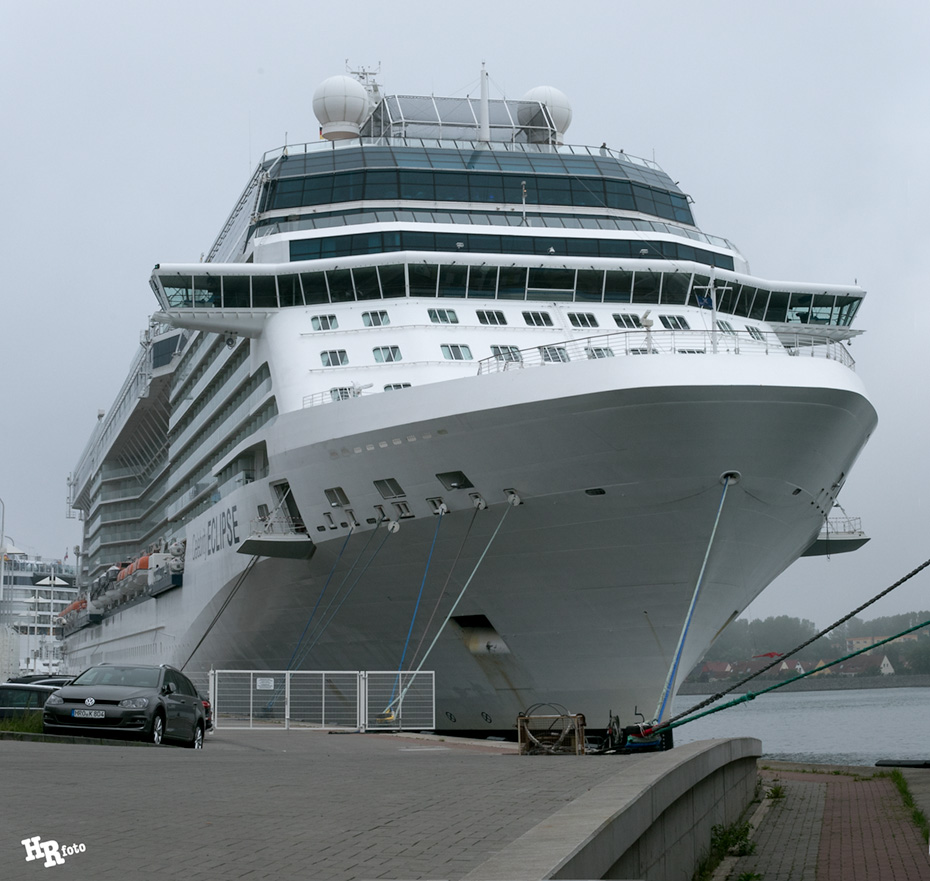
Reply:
x=445, y=585
x=451, y=612
x=752, y=695
x=242, y=577
x=803, y=645
x=416, y=607
x=322, y=628
x=673, y=670
x=320, y=597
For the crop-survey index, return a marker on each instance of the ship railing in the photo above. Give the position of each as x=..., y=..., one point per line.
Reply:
x=280, y=525
x=842, y=526
x=343, y=393
x=666, y=342
x=315, y=700
x=507, y=146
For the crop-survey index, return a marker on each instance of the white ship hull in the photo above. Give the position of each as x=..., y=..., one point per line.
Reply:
x=586, y=594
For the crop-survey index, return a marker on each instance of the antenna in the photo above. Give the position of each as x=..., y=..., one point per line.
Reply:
x=484, y=118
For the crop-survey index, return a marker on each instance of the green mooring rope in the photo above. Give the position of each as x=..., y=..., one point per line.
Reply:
x=752, y=695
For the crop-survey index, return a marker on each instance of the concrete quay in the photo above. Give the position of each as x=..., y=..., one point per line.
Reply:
x=310, y=805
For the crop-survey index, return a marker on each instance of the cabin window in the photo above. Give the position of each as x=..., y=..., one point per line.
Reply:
x=582, y=319
x=491, y=317
x=626, y=320
x=443, y=316
x=334, y=358
x=554, y=354
x=395, y=386
x=375, y=319
x=506, y=353
x=599, y=352
x=754, y=332
x=386, y=354
x=674, y=322
x=725, y=326
x=537, y=319
x=324, y=322
x=456, y=353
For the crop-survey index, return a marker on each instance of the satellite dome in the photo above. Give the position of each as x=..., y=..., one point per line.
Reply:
x=557, y=104
x=341, y=105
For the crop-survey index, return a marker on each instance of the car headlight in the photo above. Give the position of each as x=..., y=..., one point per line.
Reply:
x=135, y=703
x=54, y=699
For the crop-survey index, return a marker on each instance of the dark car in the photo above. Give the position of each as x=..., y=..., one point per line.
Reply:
x=207, y=711
x=152, y=703
x=20, y=699
x=57, y=681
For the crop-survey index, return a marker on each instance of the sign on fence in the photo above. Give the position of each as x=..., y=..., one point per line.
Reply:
x=314, y=700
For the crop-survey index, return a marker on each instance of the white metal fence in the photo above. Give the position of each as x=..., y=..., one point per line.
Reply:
x=275, y=700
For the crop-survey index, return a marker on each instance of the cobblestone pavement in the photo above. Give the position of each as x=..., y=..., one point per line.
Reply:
x=278, y=805
x=846, y=825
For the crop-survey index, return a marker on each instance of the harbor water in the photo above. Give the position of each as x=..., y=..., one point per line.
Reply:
x=848, y=727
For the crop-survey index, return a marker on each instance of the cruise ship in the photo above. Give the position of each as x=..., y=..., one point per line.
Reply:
x=450, y=393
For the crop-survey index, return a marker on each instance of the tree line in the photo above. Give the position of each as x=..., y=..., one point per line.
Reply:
x=744, y=639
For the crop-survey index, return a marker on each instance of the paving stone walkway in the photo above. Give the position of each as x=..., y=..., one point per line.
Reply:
x=848, y=825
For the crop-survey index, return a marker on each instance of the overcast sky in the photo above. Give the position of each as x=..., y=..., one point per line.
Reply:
x=800, y=129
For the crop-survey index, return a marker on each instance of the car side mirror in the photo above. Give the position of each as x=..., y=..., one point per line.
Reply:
x=170, y=688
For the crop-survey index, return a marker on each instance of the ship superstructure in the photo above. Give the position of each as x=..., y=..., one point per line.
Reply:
x=448, y=386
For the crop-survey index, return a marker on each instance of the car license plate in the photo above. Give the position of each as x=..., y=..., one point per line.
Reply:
x=89, y=714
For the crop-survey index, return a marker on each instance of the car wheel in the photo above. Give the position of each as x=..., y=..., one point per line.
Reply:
x=197, y=741
x=158, y=730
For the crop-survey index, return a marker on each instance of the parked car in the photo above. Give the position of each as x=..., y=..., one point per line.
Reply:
x=207, y=711
x=19, y=699
x=152, y=703
x=57, y=681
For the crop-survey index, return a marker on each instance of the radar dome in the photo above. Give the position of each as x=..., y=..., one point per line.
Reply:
x=557, y=104
x=341, y=105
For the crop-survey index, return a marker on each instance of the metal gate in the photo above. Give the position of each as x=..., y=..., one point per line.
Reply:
x=281, y=700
